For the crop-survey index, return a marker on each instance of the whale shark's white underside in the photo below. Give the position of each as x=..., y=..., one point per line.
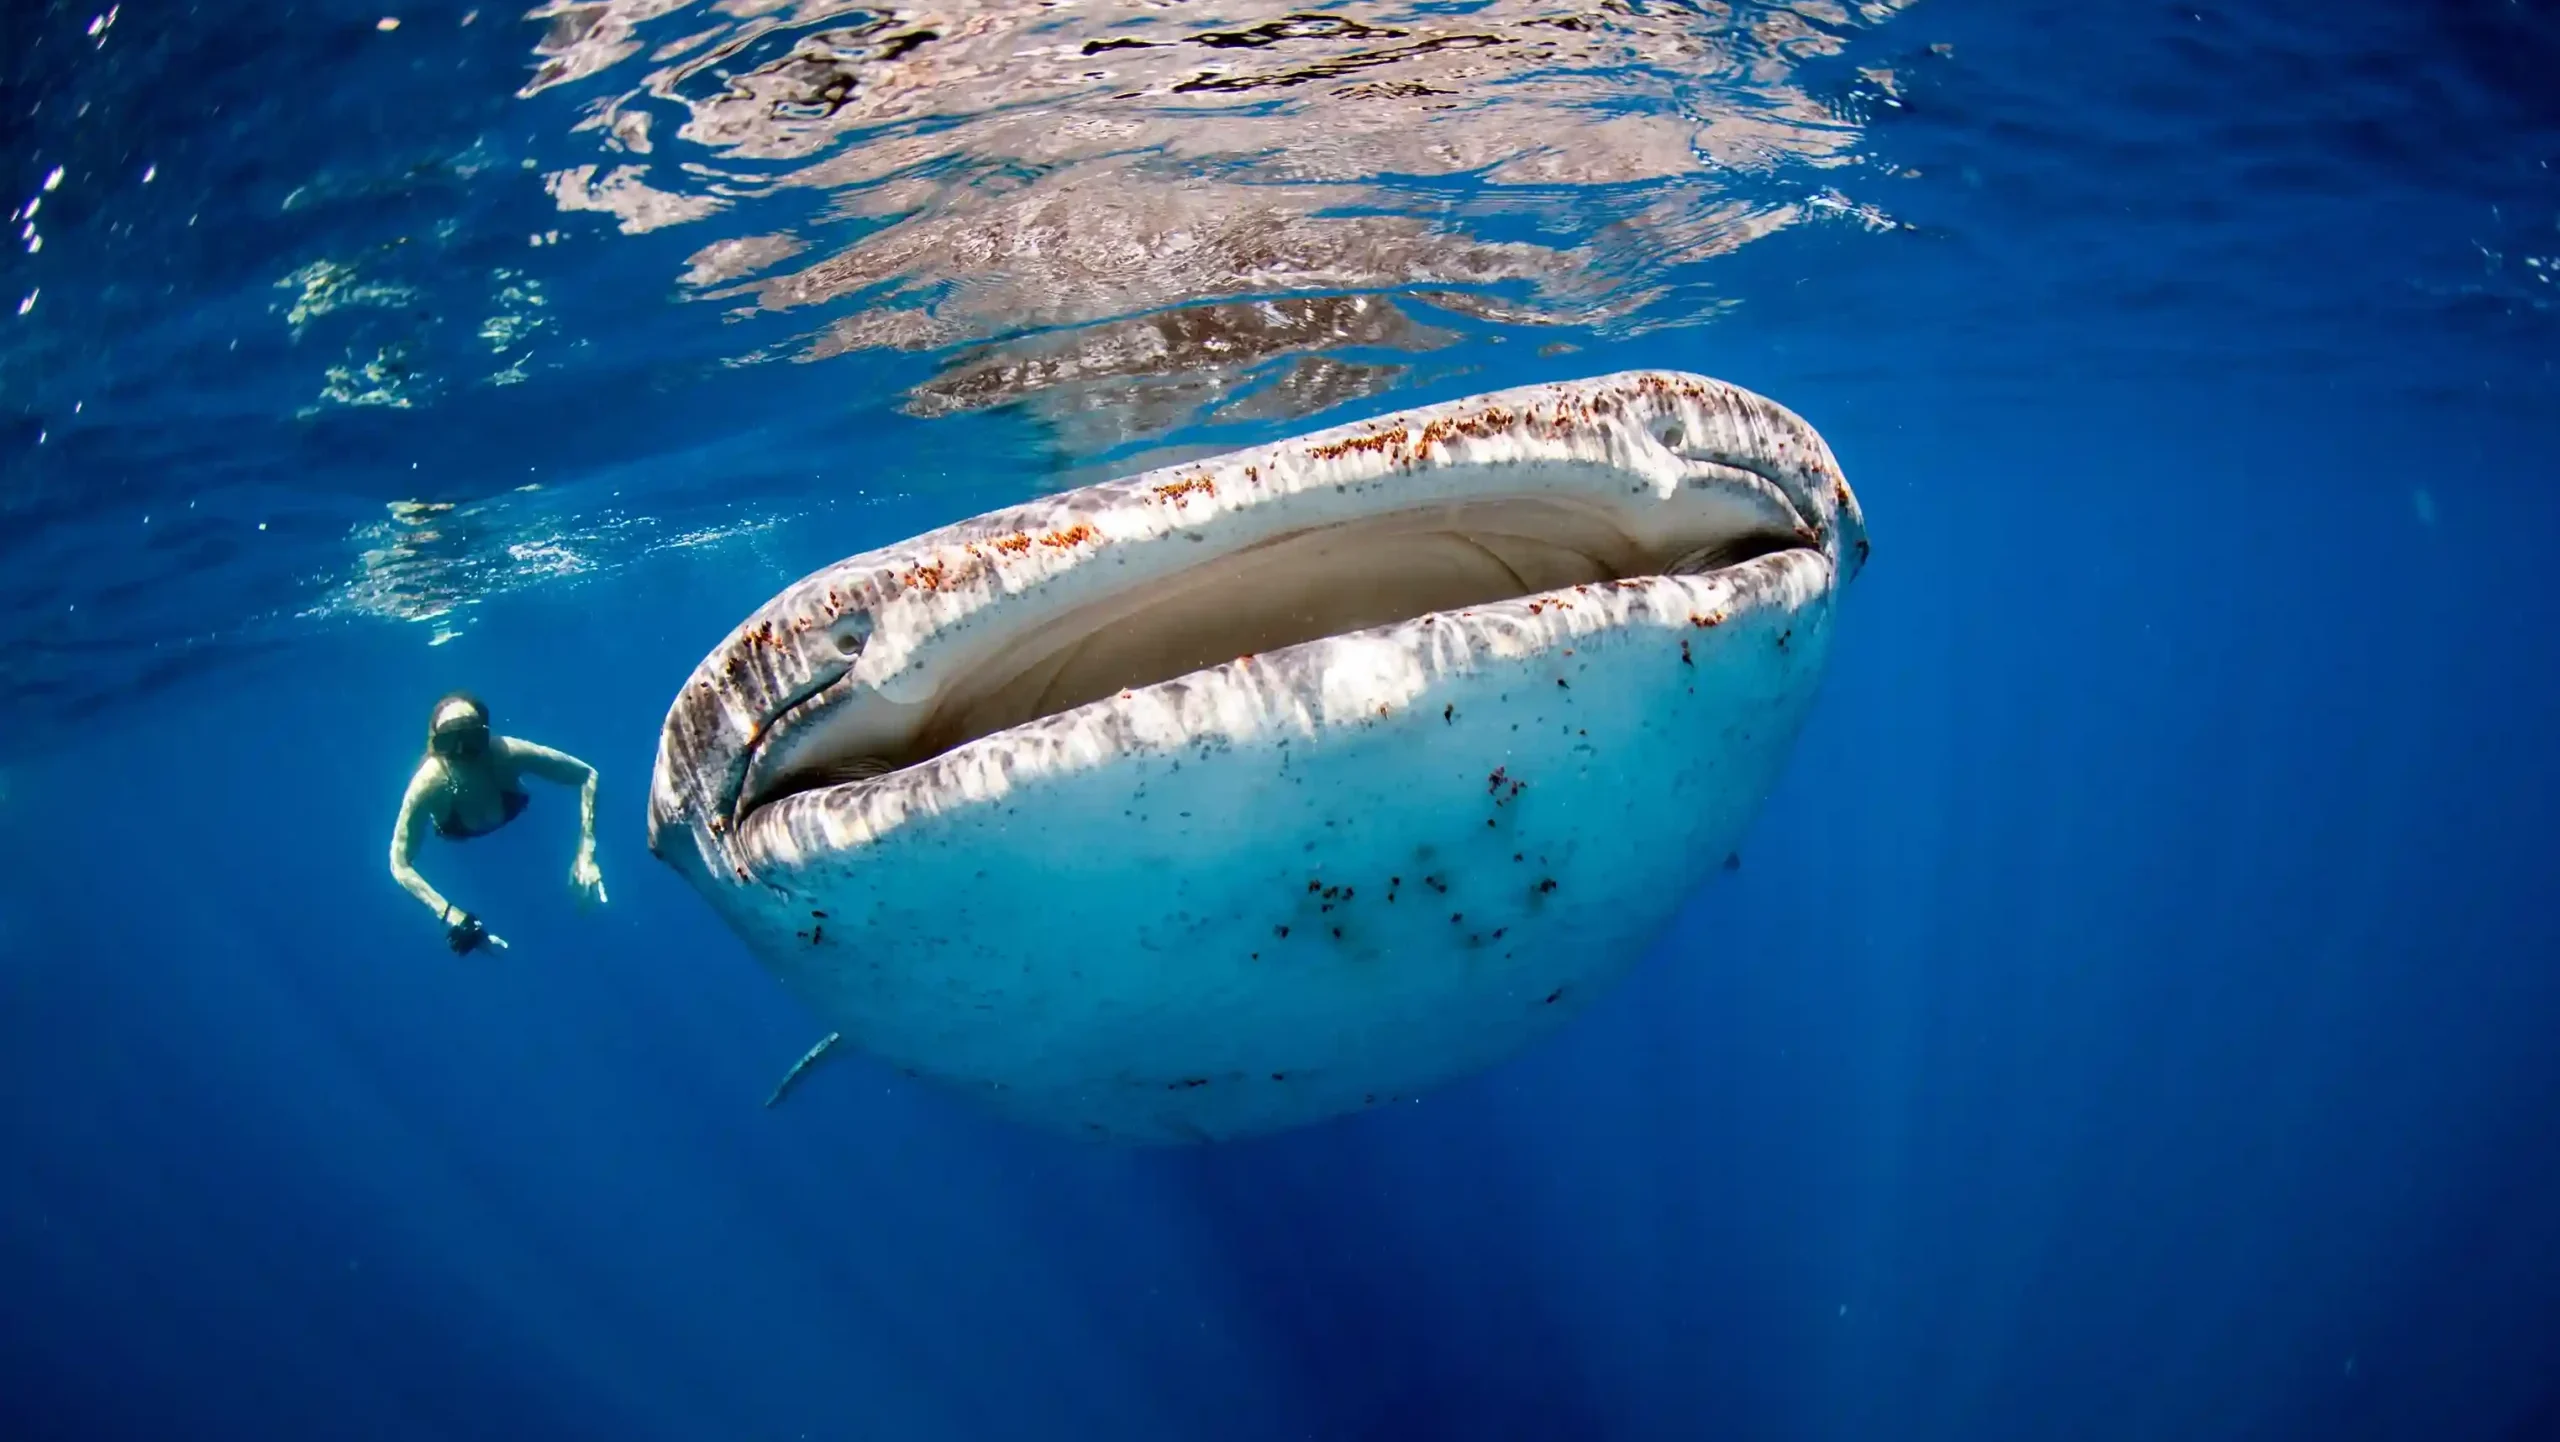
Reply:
x=1249, y=792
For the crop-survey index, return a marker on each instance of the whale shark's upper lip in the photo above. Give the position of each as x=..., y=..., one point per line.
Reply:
x=888, y=658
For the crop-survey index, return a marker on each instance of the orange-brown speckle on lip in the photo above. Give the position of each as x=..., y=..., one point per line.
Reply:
x=1075, y=535
x=1379, y=442
x=1563, y=420
x=1182, y=490
x=1488, y=422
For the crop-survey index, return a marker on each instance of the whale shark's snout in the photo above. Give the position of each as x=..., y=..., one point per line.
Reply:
x=1247, y=792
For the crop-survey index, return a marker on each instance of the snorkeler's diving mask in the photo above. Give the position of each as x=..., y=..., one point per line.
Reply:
x=459, y=729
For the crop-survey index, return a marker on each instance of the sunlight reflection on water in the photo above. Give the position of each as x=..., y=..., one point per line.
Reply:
x=1133, y=215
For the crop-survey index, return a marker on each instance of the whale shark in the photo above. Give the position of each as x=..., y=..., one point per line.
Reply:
x=1253, y=791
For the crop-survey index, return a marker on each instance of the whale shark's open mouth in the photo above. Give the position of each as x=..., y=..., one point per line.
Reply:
x=1352, y=575
x=887, y=661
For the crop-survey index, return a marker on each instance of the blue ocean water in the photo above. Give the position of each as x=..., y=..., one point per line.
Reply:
x=2133, y=1016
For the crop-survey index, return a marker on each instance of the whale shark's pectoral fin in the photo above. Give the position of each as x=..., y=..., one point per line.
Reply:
x=807, y=1060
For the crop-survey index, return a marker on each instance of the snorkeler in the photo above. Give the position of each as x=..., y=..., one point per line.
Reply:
x=469, y=784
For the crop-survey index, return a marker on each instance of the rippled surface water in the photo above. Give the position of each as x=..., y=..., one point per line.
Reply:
x=2131, y=1017
x=362, y=287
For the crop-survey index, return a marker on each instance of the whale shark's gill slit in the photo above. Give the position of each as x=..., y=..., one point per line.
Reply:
x=1732, y=551
x=1027, y=661
x=1044, y=700
x=1517, y=580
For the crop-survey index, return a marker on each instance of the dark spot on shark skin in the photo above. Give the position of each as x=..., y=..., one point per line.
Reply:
x=1733, y=861
x=1546, y=884
x=1279, y=1076
x=1281, y=932
x=1553, y=997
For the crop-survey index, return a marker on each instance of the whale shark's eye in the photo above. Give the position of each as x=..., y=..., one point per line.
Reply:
x=851, y=632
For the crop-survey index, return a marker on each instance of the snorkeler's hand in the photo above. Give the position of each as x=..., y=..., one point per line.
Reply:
x=468, y=935
x=587, y=880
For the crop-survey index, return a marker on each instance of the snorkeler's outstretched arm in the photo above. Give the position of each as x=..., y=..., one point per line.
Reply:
x=404, y=842
x=568, y=770
x=405, y=835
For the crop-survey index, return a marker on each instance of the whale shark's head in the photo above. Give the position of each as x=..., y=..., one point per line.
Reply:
x=1039, y=803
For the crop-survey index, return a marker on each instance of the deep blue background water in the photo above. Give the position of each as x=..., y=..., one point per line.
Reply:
x=2134, y=1015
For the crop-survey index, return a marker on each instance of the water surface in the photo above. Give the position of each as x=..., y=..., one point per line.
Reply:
x=2131, y=1017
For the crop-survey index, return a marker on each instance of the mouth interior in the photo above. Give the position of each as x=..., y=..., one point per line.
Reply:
x=1350, y=576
